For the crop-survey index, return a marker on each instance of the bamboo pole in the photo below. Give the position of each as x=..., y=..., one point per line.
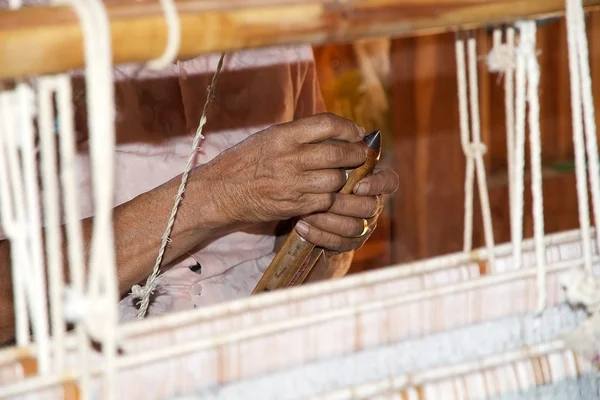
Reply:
x=45, y=40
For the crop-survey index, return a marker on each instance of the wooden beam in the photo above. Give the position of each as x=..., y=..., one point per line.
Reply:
x=45, y=40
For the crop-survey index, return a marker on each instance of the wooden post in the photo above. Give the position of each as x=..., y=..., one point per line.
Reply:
x=44, y=40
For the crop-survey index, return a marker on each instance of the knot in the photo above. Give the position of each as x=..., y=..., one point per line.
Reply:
x=501, y=58
x=140, y=292
x=473, y=150
x=582, y=288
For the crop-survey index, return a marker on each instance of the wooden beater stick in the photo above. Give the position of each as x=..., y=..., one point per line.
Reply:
x=297, y=257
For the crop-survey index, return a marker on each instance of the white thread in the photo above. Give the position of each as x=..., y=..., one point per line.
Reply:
x=10, y=225
x=589, y=119
x=74, y=235
x=528, y=49
x=28, y=279
x=26, y=106
x=519, y=156
x=578, y=140
x=474, y=150
x=581, y=285
x=173, y=36
x=144, y=293
x=102, y=278
x=52, y=211
x=509, y=105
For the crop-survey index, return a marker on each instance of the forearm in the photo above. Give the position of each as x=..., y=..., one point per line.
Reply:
x=138, y=228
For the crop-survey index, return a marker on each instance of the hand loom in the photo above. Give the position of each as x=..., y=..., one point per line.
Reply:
x=496, y=322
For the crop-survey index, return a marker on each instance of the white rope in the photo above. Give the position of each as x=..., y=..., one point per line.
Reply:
x=144, y=293
x=75, y=249
x=473, y=150
x=589, y=119
x=28, y=279
x=52, y=211
x=102, y=281
x=519, y=156
x=10, y=224
x=578, y=140
x=527, y=50
x=26, y=113
x=582, y=286
x=173, y=36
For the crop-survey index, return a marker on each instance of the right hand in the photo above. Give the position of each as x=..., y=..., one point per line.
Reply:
x=287, y=170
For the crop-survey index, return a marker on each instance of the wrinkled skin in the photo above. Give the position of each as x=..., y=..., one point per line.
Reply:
x=295, y=169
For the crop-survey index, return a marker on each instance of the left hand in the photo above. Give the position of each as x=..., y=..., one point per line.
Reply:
x=353, y=217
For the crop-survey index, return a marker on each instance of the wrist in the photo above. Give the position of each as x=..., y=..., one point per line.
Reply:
x=208, y=196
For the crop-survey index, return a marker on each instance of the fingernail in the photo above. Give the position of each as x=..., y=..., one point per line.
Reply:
x=362, y=188
x=302, y=227
x=363, y=131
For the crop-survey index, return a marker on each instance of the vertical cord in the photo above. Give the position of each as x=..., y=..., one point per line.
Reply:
x=519, y=157
x=589, y=118
x=479, y=149
x=144, y=293
x=509, y=105
x=528, y=51
x=26, y=100
x=578, y=139
x=52, y=232
x=75, y=249
x=463, y=114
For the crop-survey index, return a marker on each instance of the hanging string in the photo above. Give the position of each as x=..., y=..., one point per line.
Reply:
x=527, y=50
x=102, y=281
x=144, y=293
x=473, y=150
x=578, y=140
x=173, y=36
x=52, y=212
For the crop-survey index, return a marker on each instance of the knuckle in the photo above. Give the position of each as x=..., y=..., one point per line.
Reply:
x=325, y=201
x=334, y=154
x=327, y=120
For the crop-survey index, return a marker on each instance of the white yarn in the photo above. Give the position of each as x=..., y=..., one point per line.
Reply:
x=173, y=36
x=144, y=293
x=52, y=211
x=20, y=225
x=527, y=50
x=75, y=249
x=102, y=279
x=581, y=285
x=578, y=139
x=473, y=150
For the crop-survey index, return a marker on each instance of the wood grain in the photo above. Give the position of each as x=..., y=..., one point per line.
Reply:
x=48, y=39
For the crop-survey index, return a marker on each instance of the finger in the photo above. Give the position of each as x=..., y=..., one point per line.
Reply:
x=313, y=203
x=347, y=227
x=356, y=206
x=325, y=126
x=328, y=241
x=382, y=181
x=322, y=181
x=332, y=154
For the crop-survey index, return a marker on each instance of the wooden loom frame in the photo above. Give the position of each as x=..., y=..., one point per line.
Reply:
x=53, y=38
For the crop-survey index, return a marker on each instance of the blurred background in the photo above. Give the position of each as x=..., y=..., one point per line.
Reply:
x=407, y=88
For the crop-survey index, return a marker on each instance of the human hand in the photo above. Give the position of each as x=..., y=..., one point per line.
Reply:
x=352, y=218
x=287, y=170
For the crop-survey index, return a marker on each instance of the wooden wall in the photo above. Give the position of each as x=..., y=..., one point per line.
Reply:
x=425, y=217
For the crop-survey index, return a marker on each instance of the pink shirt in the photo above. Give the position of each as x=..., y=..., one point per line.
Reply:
x=157, y=116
